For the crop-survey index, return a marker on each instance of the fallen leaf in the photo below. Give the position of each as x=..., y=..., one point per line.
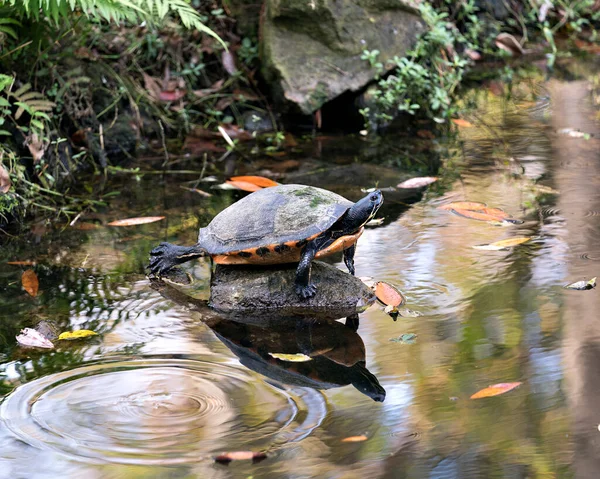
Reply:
x=388, y=294
x=508, y=43
x=244, y=185
x=495, y=212
x=586, y=46
x=83, y=226
x=355, y=439
x=582, y=285
x=473, y=54
x=481, y=216
x=425, y=134
x=5, y=182
x=418, y=182
x=503, y=244
x=256, y=180
x=136, y=221
x=197, y=146
x=406, y=338
x=22, y=263
x=171, y=95
x=462, y=123
x=227, y=457
x=495, y=390
x=81, y=333
x=293, y=358
x=463, y=205
x=228, y=61
x=33, y=339
x=30, y=282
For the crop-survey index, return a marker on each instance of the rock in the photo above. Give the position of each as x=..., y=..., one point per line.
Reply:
x=311, y=49
x=248, y=290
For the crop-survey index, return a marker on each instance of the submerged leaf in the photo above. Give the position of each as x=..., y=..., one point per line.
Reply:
x=495, y=390
x=503, y=244
x=355, y=438
x=293, y=358
x=406, y=338
x=582, y=285
x=462, y=123
x=81, y=333
x=388, y=294
x=22, y=263
x=463, y=205
x=33, y=339
x=30, y=282
x=227, y=457
x=136, y=221
x=418, y=182
x=243, y=185
x=256, y=180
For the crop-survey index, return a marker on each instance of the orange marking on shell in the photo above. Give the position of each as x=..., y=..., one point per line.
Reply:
x=340, y=244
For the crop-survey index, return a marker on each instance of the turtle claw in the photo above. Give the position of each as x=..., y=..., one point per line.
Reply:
x=160, y=259
x=306, y=291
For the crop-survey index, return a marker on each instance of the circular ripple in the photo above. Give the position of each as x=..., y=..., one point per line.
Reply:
x=592, y=213
x=157, y=411
x=589, y=257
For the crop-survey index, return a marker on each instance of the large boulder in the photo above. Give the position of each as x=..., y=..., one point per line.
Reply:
x=311, y=49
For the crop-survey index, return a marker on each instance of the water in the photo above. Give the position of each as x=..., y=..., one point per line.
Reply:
x=164, y=387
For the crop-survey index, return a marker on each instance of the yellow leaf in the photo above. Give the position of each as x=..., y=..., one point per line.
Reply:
x=498, y=245
x=495, y=390
x=294, y=358
x=81, y=333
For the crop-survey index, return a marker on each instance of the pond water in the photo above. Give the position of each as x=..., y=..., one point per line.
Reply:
x=165, y=387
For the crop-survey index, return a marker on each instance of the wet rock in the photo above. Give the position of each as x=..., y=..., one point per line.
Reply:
x=311, y=49
x=250, y=289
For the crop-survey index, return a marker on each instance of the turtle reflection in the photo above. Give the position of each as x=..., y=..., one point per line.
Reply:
x=336, y=349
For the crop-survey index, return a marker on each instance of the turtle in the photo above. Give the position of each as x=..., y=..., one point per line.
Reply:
x=281, y=224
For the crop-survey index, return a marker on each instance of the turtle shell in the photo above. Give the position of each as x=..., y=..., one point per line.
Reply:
x=282, y=216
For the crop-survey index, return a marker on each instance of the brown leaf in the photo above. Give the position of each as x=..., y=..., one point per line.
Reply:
x=152, y=86
x=355, y=439
x=388, y=294
x=22, y=263
x=244, y=185
x=495, y=390
x=477, y=215
x=5, y=182
x=171, y=95
x=473, y=54
x=30, y=282
x=418, y=182
x=136, y=221
x=462, y=123
x=256, y=180
x=227, y=457
x=37, y=146
x=197, y=146
x=509, y=43
x=228, y=61
x=33, y=339
x=425, y=134
x=83, y=226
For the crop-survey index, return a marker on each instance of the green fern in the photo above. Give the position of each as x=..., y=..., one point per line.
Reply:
x=109, y=10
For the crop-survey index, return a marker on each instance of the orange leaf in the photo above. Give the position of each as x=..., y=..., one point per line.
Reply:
x=136, y=221
x=463, y=205
x=244, y=185
x=227, y=457
x=495, y=390
x=22, y=263
x=476, y=215
x=30, y=282
x=355, y=439
x=462, y=123
x=256, y=180
x=388, y=294
x=495, y=212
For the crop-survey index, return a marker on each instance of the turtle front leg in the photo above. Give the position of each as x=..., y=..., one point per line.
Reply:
x=166, y=255
x=303, y=286
x=349, y=258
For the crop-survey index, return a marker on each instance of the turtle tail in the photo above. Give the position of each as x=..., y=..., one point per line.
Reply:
x=166, y=256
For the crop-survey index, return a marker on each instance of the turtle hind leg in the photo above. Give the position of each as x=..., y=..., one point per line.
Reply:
x=166, y=255
x=303, y=286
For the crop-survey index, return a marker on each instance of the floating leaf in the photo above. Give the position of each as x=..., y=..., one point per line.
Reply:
x=142, y=220
x=30, y=282
x=256, y=180
x=495, y=390
x=388, y=294
x=406, y=338
x=462, y=123
x=463, y=205
x=499, y=245
x=5, y=182
x=33, y=339
x=243, y=185
x=582, y=285
x=293, y=358
x=418, y=182
x=22, y=263
x=227, y=457
x=476, y=215
x=81, y=333
x=355, y=438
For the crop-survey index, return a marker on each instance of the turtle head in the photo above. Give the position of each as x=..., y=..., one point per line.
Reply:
x=364, y=210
